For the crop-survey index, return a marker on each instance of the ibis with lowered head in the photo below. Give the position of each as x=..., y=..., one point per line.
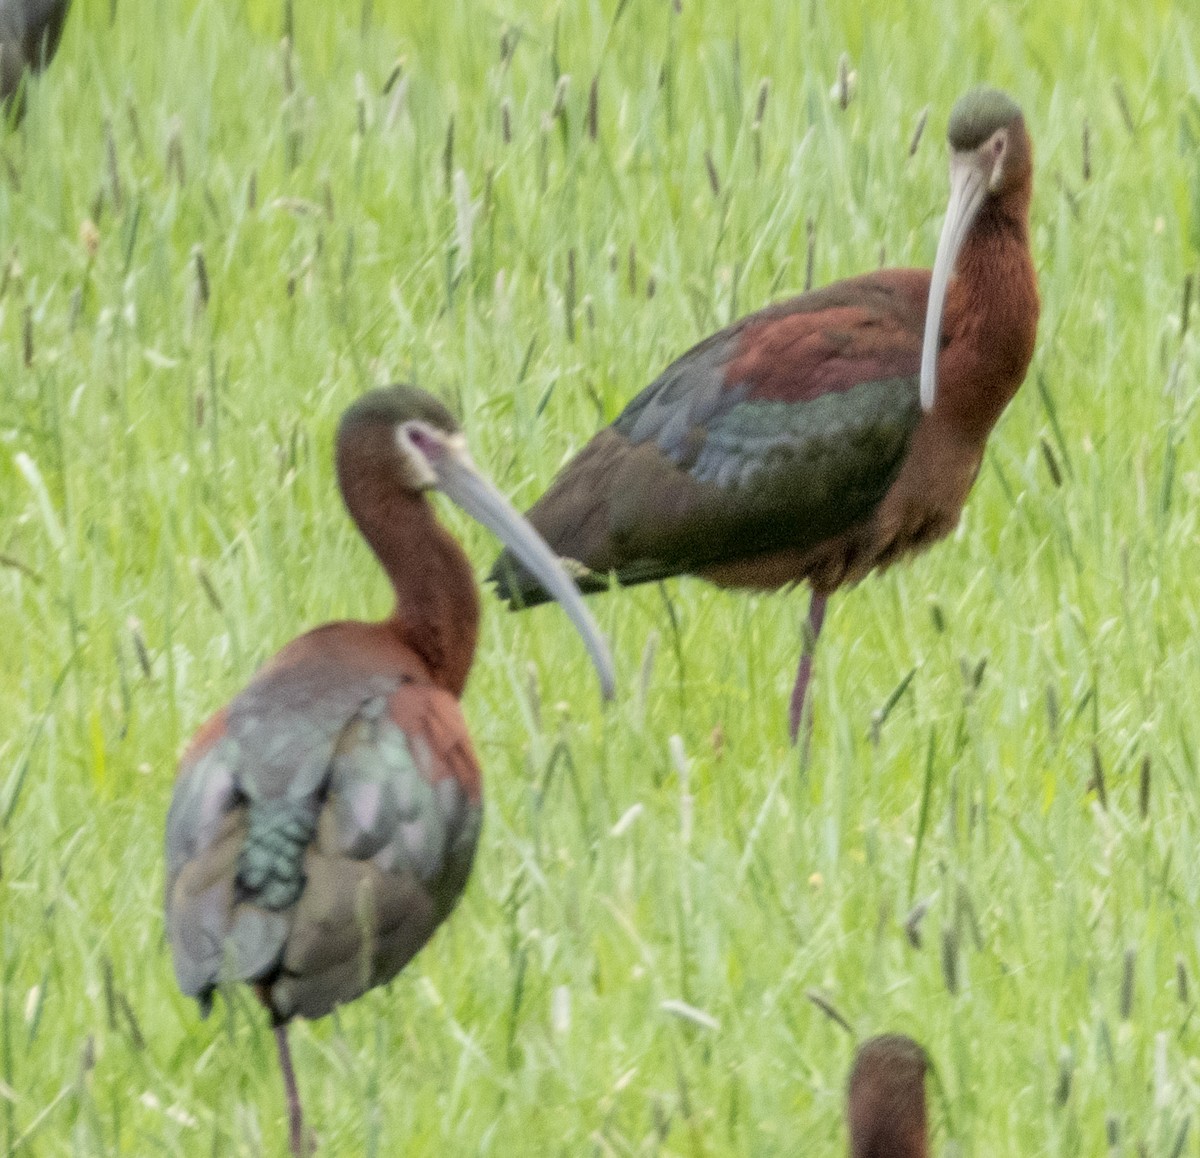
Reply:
x=885, y=1099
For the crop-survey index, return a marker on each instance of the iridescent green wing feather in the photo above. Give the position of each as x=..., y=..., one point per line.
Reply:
x=776, y=434
x=315, y=844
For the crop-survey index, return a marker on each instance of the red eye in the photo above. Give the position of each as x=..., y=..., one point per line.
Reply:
x=425, y=442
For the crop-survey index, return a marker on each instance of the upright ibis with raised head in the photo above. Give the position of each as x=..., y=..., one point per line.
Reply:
x=29, y=34
x=826, y=436
x=324, y=822
x=885, y=1099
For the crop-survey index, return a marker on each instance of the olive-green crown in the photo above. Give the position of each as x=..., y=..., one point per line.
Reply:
x=977, y=115
x=392, y=405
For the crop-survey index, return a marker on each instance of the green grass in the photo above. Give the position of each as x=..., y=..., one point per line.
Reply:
x=169, y=519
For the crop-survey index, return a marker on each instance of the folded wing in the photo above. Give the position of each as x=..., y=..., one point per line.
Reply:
x=776, y=434
x=316, y=840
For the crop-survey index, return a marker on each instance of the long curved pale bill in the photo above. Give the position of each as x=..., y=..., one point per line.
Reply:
x=460, y=479
x=967, y=191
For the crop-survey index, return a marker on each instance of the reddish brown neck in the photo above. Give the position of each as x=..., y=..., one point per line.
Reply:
x=888, y=1123
x=991, y=318
x=885, y=1103
x=905, y=1140
x=437, y=603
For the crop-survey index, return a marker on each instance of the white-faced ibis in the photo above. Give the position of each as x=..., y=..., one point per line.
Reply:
x=324, y=822
x=29, y=34
x=826, y=436
x=885, y=1099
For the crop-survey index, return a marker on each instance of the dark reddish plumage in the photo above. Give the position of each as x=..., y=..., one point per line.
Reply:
x=807, y=442
x=324, y=823
x=885, y=1099
x=863, y=329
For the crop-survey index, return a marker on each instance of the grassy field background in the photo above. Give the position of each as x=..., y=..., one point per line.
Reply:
x=211, y=243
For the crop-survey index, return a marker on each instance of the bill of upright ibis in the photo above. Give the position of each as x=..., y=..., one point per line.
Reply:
x=827, y=436
x=29, y=34
x=323, y=824
x=885, y=1099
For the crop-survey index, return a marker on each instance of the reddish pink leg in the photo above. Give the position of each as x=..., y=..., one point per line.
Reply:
x=816, y=616
x=295, y=1114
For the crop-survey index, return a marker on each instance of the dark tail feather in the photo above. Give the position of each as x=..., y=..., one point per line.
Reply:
x=521, y=590
x=29, y=34
x=44, y=21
